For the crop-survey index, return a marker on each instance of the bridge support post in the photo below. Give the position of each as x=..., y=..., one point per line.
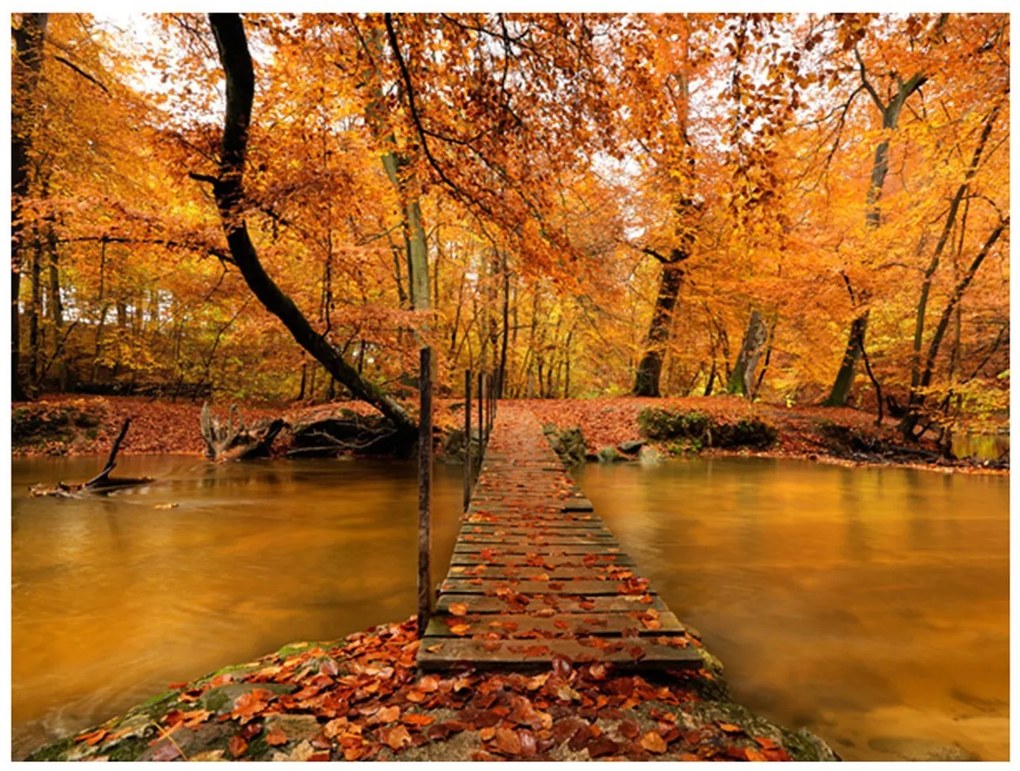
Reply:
x=424, y=490
x=467, y=438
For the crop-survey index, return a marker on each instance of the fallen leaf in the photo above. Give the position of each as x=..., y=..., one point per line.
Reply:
x=396, y=737
x=250, y=704
x=417, y=719
x=654, y=743
x=731, y=728
x=237, y=746
x=460, y=629
x=207, y=755
x=166, y=751
x=93, y=738
x=458, y=608
x=507, y=742
x=601, y=746
x=629, y=728
x=276, y=737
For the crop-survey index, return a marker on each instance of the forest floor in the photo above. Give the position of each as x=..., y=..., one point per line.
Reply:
x=362, y=698
x=60, y=424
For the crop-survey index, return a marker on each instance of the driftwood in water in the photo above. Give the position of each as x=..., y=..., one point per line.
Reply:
x=102, y=483
x=348, y=432
x=230, y=442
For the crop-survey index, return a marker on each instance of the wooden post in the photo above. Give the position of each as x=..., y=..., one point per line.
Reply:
x=492, y=401
x=424, y=490
x=481, y=419
x=467, y=438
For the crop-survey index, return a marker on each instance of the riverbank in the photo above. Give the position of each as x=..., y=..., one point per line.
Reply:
x=60, y=425
x=361, y=698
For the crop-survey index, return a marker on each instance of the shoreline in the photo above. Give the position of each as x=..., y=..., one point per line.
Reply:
x=361, y=698
x=71, y=426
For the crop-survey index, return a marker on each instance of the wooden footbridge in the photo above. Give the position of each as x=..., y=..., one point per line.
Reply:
x=536, y=575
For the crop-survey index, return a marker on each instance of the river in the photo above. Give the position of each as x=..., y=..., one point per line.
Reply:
x=869, y=605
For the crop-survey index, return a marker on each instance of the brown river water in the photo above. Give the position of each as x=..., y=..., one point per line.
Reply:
x=868, y=605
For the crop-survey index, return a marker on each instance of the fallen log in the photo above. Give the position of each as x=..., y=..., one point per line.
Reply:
x=102, y=483
x=346, y=433
x=227, y=442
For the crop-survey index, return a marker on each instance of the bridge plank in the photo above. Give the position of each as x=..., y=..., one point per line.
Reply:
x=632, y=653
x=535, y=574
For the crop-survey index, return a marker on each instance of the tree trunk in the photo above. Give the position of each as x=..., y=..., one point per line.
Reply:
x=845, y=377
x=910, y=421
x=873, y=218
x=742, y=377
x=25, y=68
x=35, y=312
x=228, y=189
x=649, y=370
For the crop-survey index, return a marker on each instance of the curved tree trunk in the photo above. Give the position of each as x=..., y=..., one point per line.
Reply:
x=649, y=369
x=228, y=189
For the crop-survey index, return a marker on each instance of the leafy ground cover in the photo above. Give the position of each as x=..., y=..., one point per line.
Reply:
x=362, y=698
x=84, y=425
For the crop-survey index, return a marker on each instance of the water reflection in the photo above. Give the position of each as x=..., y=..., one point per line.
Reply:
x=860, y=603
x=113, y=598
x=870, y=605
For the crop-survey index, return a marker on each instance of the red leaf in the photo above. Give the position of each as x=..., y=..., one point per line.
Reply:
x=93, y=738
x=276, y=737
x=417, y=719
x=237, y=746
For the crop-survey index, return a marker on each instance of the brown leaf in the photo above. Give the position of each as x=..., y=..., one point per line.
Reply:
x=629, y=728
x=507, y=742
x=429, y=684
x=387, y=714
x=460, y=629
x=458, y=608
x=752, y=754
x=487, y=733
x=731, y=728
x=250, y=704
x=251, y=730
x=396, y=737
x=580, y=738
x=528, y=744
x=276, y=737
x=601, y=746
x=237, y=746
x=166, y=751
x=654, y=743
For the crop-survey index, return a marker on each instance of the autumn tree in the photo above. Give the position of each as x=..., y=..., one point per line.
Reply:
x=228, y=189
x=28, y=56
